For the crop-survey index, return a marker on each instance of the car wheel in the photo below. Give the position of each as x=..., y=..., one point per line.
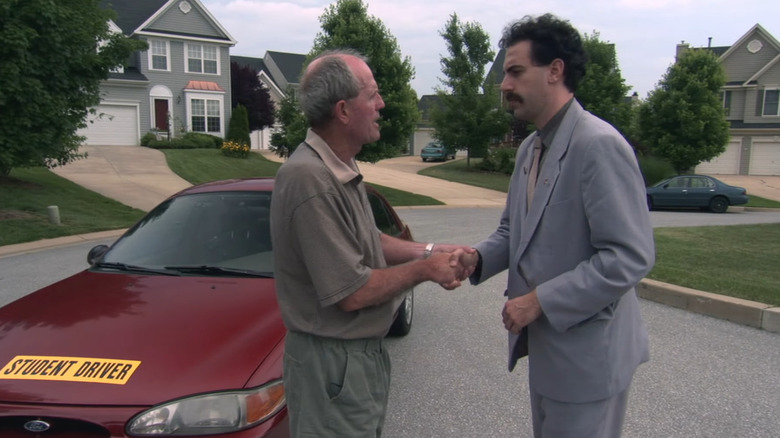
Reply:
x=719, y=204
x=403, y=321
x=649, y=203
x=424, y=159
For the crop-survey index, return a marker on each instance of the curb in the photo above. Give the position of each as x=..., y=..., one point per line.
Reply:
x=750, y=313
x=737, y=310
x=28, y=247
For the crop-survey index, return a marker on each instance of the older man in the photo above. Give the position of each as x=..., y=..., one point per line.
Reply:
x=336, y=292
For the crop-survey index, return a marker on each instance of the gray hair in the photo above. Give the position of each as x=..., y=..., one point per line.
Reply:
x=328, y=82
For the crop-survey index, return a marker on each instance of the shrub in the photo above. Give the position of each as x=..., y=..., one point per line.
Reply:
x=190, y=140
x=234, y=149
x=500, y=160
x=147, y=138
x=238, y=130
x=655, y=169
x=200, y=140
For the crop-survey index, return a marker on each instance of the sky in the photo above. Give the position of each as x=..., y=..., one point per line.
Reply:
x=645, y=32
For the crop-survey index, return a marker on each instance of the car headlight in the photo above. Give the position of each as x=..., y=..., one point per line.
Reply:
x=213, y=413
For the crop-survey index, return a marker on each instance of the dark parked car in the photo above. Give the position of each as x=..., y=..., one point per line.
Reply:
x=437, y=152
x=695, y=191
x=173, y=331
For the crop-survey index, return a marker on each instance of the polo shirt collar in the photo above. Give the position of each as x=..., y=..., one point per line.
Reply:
x=343, y=172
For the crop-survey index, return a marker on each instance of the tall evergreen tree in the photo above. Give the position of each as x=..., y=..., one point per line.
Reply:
x=683, y=119
x=53, y=55
x=469, y=116
x=238, y=129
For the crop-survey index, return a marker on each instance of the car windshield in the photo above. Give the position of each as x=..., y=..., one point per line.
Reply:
x=213, y=234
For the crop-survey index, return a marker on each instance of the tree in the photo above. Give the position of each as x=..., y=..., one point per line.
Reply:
x=603, y=91
x=347, y=24
x=247, y=90
x=683, y=119
x=469, y=116
x=238, y=130
x=53, y=55
x=292, y=130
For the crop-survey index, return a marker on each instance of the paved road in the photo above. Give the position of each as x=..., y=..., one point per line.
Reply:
x=707, y=377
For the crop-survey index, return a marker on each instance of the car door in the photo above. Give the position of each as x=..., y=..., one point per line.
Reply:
x=673, y=193
x=700, y=191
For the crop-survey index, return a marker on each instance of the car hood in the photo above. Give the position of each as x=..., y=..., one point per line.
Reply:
x=136, y=339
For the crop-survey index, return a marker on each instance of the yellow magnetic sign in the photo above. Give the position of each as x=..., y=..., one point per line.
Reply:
x=70, y=369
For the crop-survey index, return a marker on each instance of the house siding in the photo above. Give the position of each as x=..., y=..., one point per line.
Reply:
x=177, y=79
x=737, y=108
x=193, y=23
x=741, y=65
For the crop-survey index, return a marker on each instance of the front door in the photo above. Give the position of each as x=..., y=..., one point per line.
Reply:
x=161, y=114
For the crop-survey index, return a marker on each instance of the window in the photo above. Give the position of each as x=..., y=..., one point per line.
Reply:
x=701, y=183
x=771, y=100
x=206, y=115
x=725, y=97
x=202, y=59
x=158, y=55
x=384, y=220
x=678, y=183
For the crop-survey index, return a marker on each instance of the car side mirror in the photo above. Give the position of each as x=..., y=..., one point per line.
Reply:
x=96, y=253
x=666, y=186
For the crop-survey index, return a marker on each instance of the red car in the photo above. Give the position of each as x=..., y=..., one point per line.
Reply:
x=173, y=331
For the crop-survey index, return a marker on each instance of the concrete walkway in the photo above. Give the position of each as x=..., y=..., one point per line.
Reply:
x=133, y=175
x=401, y=173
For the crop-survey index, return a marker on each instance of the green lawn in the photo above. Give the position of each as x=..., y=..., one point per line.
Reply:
x=26, y=194
x=741, y=261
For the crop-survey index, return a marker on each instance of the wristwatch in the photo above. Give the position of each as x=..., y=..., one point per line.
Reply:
x=428, y=250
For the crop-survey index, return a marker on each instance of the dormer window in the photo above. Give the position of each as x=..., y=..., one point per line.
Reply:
x=158, y=55
x=202, y=58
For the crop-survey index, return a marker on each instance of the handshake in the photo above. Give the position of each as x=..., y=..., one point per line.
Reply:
x=449, y=265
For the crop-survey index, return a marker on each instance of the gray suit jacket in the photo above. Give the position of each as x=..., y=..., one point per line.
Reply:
x=584, y=244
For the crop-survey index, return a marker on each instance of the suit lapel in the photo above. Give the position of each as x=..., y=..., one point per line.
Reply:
x=548, y=174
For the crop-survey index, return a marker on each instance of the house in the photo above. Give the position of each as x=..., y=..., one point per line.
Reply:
x=751, y=99
x=180, y=84
x=280, y=72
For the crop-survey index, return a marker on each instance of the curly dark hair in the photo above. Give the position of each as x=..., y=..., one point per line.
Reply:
x=551, y=38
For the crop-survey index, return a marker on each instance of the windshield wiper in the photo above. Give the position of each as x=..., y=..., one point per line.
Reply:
x=133, y=268
x=220, y=271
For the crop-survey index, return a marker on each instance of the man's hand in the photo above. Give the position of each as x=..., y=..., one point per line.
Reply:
x=443, y=271
x=521, y=311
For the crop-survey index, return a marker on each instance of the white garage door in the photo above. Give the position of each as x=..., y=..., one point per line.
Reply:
x=765, y=159
x=112, y=125
x=726, y=163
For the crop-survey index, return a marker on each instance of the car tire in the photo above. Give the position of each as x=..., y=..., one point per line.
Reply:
x=403, y=320
x=649, y=203
x=719, y=204
x=424, y=159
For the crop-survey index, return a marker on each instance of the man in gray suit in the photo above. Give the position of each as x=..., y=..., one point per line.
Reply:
x=576, y=238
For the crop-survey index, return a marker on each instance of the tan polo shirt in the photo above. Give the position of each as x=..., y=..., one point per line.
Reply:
x=325, y=244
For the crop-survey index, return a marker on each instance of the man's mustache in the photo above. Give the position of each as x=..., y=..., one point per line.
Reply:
x=512, y=97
